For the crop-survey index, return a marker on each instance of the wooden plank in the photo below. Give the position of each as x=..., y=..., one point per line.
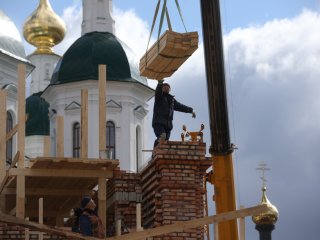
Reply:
x=3, y=120
x=138, y=217
x=242, y=227
x=72, y=161
x=168, y=54
x=82, y=173
x=49, y=192
x=40, y=216
x=12, y=132
x=102, y=198
x=84, y=124
x=102, y=110
x=118, y=227
x=21, y=113
x=60, y=136
x=20, y=199
x=46, y=146
x=6, y=178
x=181, y=226
x=41, y=227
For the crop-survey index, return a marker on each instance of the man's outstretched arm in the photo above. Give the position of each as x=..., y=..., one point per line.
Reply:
x=183, y=108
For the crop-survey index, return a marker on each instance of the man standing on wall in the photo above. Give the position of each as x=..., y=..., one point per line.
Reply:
x=164, y=106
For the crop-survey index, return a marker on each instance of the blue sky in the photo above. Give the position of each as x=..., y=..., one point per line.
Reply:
x=272, y=55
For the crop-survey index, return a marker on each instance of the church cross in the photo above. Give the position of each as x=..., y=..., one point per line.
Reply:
x=263, y=168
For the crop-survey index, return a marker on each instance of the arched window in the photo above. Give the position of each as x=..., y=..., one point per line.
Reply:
x=9, y=142
x=76, y=140
x=138, y=148
x=111, y=140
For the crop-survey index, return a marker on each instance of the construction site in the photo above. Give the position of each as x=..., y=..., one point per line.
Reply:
x=82, y=132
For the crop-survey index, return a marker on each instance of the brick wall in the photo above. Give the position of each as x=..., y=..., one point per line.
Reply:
x=172, y=187
x=9, y=232
x=123, y=193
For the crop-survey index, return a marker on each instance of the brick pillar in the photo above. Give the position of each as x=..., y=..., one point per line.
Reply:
x=123, y=194
x=172, y=187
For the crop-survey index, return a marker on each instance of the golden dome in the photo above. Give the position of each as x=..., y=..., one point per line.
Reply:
x=269, y=217
x=44, y=28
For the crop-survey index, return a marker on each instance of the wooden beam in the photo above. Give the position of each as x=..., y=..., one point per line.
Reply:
x=242, y=227
x=46, y=146
x=49, y=192
x=84, y=124
x=179, y=226
x=138, y=217
x=12, y=132
x=3, y=121
x=102, y=198
x=61, y=173
x=20, y=199
x=60, y=136
x=118, y=227
x=102, y=110
x=41, y=227
x=40, y=216
x=6, y=178
x=21, y=112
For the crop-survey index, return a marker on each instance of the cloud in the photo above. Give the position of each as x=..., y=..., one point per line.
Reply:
x=274, y=71
x=72, y=17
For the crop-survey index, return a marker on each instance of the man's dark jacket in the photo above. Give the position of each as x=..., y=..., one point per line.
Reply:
x=164, y=106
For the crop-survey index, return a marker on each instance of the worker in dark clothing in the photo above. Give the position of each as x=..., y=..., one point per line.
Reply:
x=164, y=106
x=89, y=223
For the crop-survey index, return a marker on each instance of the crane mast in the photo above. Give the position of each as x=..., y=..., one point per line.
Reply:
x=220, y=149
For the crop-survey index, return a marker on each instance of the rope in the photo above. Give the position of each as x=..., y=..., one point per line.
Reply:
x=180, y=13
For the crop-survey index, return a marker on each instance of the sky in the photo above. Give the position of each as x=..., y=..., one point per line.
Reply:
x=272, y=65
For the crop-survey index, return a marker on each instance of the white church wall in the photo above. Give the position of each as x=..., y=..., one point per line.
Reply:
x=42, y=74
x=122, y=100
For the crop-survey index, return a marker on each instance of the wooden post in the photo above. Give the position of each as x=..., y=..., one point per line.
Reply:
x=60, y=136
x=46, y=146
x=84, y=124
x=102, y=110
x=3, y=134
x=242, y=226
x=40, y=216
x=216, y=231
x=138, y=216
x=20, y=200
x=59, y=220
x=118, y=227
x=102, y=198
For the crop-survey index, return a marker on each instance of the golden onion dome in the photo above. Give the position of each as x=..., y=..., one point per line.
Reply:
x=44, y=28
x=268, y=217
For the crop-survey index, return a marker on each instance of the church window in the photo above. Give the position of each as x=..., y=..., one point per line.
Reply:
x=9, y=142
x=76, y=140
x=111, y=140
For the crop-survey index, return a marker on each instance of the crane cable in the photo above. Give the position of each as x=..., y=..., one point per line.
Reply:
x=164, y=12
x=232, y=108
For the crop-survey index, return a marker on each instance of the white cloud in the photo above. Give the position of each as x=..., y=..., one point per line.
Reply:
x=274, y=73
x=72, y=17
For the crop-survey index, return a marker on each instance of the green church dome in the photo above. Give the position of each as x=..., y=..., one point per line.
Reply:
x=81, y=60
x=37, y=110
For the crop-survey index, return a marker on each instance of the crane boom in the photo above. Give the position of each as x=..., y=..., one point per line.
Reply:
x=220, y=149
